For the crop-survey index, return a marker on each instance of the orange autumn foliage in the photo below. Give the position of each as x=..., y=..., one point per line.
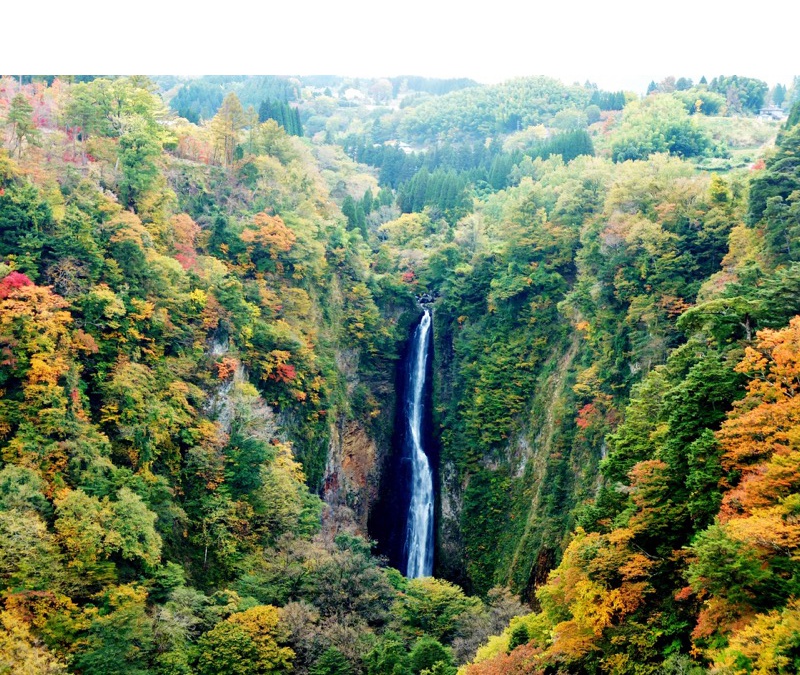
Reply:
x=521, y=661
x=32, y=318
x=761, y=437
x=601, y=580
x=183, y=242
x=226, y=367
x=270, y=234
x=761, y=455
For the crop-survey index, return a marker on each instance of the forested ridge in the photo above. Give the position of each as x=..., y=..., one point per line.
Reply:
x=206, y=286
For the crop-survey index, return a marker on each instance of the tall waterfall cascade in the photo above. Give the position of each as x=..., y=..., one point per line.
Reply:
x=419, y=530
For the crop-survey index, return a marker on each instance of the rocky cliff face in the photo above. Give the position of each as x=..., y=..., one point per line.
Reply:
x=533, y=482
x=351, y=475
x=358, y=468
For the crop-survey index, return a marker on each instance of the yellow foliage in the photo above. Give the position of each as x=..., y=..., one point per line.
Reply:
x=46, y=370
x=126, y=226
x=262, y=624
x=142, y=309
x=113, y=306
x=765, y=646
x=406, y=229
x=497, y=644
x=21, y=653
x=198, y=297
x=772, y=530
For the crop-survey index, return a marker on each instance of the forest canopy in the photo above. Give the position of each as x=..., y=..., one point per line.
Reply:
x=207, y=287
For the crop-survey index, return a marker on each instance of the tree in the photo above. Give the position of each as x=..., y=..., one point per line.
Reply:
x=267, y=241
x=659, y=123
x=120, y=634
x=29, y=557
x=744, y=94
x=228, y=649
x=91, y=529
x=388, y=656
x=285, y=115
x=21, y=653
x=769, y=644
x=778, y=95
x=25, y=221
x=519, y=636
x=246, y=643
x=434, y=607
x=775, y=198
x=139, y=148
x=82, y=115
x=758, y=438
x=225, y=128
x=20, y=120
x=427, y=652
x=746, y=562
x=22, y=488
x=131, y=528
x=331, y=662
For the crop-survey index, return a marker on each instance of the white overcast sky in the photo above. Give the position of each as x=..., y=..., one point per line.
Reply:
x=615, y=43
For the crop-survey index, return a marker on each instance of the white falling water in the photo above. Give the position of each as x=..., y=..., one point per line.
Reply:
x=419, y=532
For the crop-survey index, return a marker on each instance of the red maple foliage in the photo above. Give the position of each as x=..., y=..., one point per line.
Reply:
x=284, y=372
x=12, y=282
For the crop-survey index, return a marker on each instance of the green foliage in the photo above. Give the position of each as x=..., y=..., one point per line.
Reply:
x=568, y=145
x=658, y=124
x=519, y=636
x=702, y=101
x=443, y=191
x=119, y=635
x=794, y=116
x=131, y=529
x=427, y=653
x=484, y=110
x=704, y=476
x=743, y=94
x=29, y=555
x=139, y=149
x=331, y=662
x=24, y=219
x=728, y=569
x=608, y=100
x=486, y=503
x=433, y=607
x=20, y=119
x=199, y=99
x=22, y=488
x=285, y=115
x=388, y=656
x=774, y=200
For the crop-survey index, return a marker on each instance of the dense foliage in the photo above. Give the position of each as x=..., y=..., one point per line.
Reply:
x=201, y=317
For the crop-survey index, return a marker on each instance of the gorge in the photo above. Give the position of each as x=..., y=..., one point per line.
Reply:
x=233, y=442
x=402, y=521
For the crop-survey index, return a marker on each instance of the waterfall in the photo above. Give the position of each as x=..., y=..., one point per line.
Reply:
x=419, y=529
